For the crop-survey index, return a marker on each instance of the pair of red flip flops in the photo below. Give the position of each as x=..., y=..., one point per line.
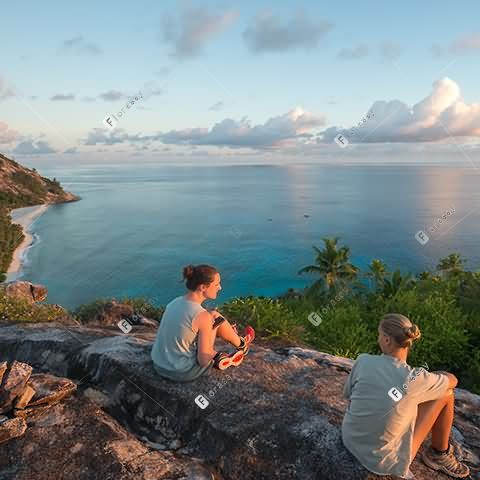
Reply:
x=224, y=360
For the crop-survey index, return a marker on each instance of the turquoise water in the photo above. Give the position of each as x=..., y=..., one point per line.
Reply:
x=138, y=225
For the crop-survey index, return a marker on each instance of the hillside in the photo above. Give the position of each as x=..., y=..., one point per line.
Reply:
x=22, y=187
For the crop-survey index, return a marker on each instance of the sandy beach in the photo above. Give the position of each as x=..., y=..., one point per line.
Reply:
x=25, y=217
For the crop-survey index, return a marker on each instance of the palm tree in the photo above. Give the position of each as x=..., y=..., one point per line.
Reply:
x=452, y=265
x=378, y=272
x=331, y=264
x=397, y=283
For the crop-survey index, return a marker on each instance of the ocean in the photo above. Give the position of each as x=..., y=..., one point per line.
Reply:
x=137, y=225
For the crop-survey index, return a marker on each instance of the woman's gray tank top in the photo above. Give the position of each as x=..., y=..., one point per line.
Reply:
x=175, y=346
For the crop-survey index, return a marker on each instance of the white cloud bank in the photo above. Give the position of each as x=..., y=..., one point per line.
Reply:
x=275, y=132
x=440, y=116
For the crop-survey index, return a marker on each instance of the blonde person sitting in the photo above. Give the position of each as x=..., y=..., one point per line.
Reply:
x=394, y=407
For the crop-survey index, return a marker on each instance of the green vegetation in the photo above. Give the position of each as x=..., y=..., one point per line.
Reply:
x=10, y=237
x=444, y=303
x=21, y=187
x=141, y=306
x=20, y=310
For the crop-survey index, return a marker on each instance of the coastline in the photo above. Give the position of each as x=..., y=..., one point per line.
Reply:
x=25, y=217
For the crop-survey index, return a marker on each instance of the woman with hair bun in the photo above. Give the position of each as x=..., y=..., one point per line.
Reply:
x=184, y=347
x=393, y=407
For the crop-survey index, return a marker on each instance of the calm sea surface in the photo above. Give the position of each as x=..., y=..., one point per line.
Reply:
x=138, y=225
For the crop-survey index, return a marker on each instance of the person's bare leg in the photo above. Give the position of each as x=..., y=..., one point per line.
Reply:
x=226, y=331
x=437, y=416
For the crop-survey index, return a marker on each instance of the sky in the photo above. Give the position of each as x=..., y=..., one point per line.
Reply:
x=207, y=82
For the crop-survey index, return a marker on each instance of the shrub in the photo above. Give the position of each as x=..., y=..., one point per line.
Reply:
x=342, y=332
x=87, y=311
x=141, y=306
x=20, y=310
x=269, y=316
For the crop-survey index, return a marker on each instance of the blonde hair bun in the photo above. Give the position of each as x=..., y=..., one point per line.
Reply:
x=412, y=332
x=400, y=328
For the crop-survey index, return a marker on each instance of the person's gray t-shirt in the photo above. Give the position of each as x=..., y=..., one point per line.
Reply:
x=378, y=426
x=175, y=346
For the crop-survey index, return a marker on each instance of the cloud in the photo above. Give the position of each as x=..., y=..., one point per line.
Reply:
x=149, y=89
x=103, y=136
x=163, y=71
x=33, y=147
x=389, y=51
x=461, y=46
x=359, y=51
x=188, y=34
x=79, y=45
x=441, y=115
x=62, y=98
x=112, y=96
x=7, y=135
x=5, y=90
x=71, y=150
x=267, y=33
x=292, y=126
x=216, y=107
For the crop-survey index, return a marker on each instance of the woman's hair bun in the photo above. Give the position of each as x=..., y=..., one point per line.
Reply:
x=196, y=275
x=188, y=271
x=412, y=332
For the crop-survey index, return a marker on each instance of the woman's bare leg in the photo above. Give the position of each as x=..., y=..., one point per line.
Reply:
x=226, y=331
x=437, y=416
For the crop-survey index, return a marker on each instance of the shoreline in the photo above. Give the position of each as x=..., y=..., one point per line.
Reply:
x=25, y=217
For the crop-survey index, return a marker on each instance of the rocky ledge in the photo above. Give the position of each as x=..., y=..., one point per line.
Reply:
x=277, y=416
